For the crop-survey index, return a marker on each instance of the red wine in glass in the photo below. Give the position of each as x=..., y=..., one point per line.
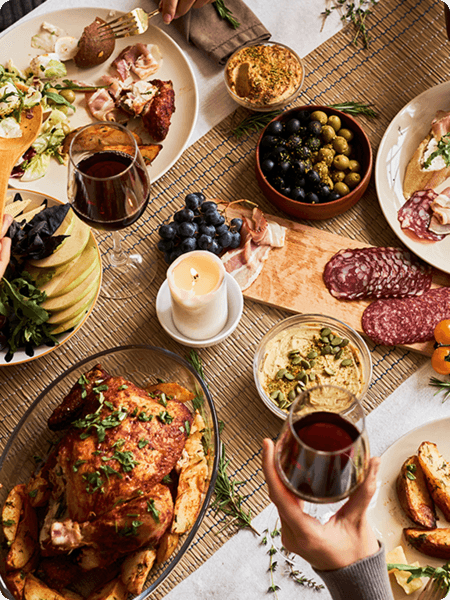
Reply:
x=322, y=453
x=115, y=192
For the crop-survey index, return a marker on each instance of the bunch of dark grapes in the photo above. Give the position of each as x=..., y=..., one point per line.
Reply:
x=286, y=153
x=198, y=226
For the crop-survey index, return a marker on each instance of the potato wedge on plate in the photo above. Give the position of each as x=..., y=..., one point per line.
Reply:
x=25, y=543
x=434, y=542
x=103, y=137
x=113, y=590
x=437, y=475
x=136, y=568
x=11, y=512
x=166, y=547
x=35, y=589
x=413, y=494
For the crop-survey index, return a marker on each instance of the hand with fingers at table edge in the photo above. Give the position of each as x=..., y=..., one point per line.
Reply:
x=344, y=552
x=173, y=9
x=5, y=245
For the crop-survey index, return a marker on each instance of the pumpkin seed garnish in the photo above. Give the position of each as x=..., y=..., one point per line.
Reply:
x=346, y=362
x=305, y=364
x=337, y=341
x=329, y=371
x=311, y=354
x=289, y=377
x=281, y=373
x=296, y=360
x=325, y=331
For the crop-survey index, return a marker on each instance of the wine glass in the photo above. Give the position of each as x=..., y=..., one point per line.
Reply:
x=109, y=189
x=322, y=454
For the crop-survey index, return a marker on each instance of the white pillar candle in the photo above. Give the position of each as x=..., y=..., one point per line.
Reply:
x=198, y=294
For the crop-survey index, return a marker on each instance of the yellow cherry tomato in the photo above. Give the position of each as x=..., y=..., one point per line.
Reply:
x=442, y=332
x=440, y=360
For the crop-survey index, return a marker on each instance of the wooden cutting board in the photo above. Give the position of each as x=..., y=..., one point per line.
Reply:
x=292, y=276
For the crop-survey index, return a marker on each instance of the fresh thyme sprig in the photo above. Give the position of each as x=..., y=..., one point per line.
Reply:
x=356, y=12
x=356, y=108
x=254, y=122
x=440, y=574
x=226, y=14
x=442, y=386
x=228, y=500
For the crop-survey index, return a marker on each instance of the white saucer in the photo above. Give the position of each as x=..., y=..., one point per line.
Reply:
x=235, y=307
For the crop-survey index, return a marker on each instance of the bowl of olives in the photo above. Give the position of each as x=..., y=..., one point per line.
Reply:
x=313, y=162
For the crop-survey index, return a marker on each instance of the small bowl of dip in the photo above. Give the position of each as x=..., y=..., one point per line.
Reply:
x=304, y=351
x=264, y=76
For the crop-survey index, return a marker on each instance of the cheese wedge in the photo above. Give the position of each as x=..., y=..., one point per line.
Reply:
x=15, y=208
x=397, y=556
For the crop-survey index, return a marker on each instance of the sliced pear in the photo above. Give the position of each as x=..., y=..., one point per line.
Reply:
x=69, y=324
x=62, y=317
x=71, y=248
x=42, y=276
x=61, y=303
x=76, y=272
x=67, y=225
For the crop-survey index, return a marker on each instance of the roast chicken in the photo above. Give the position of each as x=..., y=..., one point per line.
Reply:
x=106, y=473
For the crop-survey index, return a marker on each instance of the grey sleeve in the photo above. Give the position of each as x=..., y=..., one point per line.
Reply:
x=366, y=579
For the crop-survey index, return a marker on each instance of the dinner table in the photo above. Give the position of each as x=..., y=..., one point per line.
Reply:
x=406, y=55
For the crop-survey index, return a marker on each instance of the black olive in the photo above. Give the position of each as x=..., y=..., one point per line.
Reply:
x=292, y=126
x=300, y=182
x=304, y=116
x=313, y=143
x=281, y=156
x=267, y=165
x=302, y=152
x=324, y=191
x=274, y=128
x=312, y=177
x=277, y=182
x=267, y=142
x=283, y=168
x=285, y=191
x=303, y=132
x=334, y=196
x=298, y=194
x=312, y=198
x=294, y=142
x=298, y=166
x=314, y=127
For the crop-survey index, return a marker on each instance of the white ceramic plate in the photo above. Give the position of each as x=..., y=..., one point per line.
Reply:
x=386, y=516
x=402, y=137
x=16, y=45
x=20, y=356
x=235, y=307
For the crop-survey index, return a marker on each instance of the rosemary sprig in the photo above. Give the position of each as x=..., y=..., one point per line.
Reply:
x=356, y=108
x=228, y=500
x=226, y=14
x=194, y=359
x=356, y=12
x=254, y=122
x=442, y=386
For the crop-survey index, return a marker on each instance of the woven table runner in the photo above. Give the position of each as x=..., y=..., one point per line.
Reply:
x=408, y=54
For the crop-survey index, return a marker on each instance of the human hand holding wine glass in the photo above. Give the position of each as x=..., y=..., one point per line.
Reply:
x=109, y=190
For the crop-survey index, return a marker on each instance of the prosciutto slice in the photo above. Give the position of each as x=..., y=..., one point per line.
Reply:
x=258, y=237
x=101, y=105
x=141, y=59
x=440, y=218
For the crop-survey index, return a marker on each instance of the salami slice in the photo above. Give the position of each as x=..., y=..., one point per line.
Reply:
x=376, y=273
x=406, y=321
x=415, y=215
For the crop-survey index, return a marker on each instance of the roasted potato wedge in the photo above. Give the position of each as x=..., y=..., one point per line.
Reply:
x=25, y=543
x=434, y=542
x=15, y=580
x=38, y=490
x=177, y=391
x=35, y=589
x=69, y=595
x=166, y=546
x=135, y=569
x=11, y=512
x=99, y=139
x=437, y=475
x=113, y=590
x=192, y=481
x=413, y=494
x=149, y=152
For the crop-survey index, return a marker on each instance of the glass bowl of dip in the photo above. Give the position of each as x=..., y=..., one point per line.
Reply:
x=264, y=76
x=300, y=353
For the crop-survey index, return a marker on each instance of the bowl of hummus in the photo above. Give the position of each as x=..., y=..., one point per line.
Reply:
x=264, y=76
x=304, y=351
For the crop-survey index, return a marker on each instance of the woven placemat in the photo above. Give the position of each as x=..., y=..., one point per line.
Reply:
x=407, y=55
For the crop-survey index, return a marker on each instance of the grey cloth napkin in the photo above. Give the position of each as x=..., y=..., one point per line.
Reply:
x=215, y=36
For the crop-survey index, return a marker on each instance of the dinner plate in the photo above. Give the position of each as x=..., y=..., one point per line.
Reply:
x=405, y=132
x=20, y=356
x=16, y=45
x=386, y=516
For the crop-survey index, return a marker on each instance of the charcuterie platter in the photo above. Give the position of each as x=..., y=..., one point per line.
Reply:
x=292, y=276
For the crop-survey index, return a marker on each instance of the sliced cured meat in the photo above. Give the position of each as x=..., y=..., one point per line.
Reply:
x=406, y=321
x=440, y=220
x=376, y=273
x=415, y=215
x=141, y=59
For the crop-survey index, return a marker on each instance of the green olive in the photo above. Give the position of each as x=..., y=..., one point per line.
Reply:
x=354, y=166
x=338, y=176
x=349, y=150
x=335, y=122
x=52, y=91
x=340, y=162
x=319, y=115
x=341, y=188
x=68, y=95
x=352, y=180
x=346, y=133
x=326, y=155
x=340, y=144
x=327, y=134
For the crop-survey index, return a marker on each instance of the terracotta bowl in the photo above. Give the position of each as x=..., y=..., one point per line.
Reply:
x=324, y=210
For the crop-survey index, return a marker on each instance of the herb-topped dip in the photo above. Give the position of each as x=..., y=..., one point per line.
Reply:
x=264, y=75
x=305, y=356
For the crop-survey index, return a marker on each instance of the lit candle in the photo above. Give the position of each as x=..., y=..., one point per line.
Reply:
x=199, y=294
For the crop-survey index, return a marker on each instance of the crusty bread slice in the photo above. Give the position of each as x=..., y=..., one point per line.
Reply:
x=417, y=178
